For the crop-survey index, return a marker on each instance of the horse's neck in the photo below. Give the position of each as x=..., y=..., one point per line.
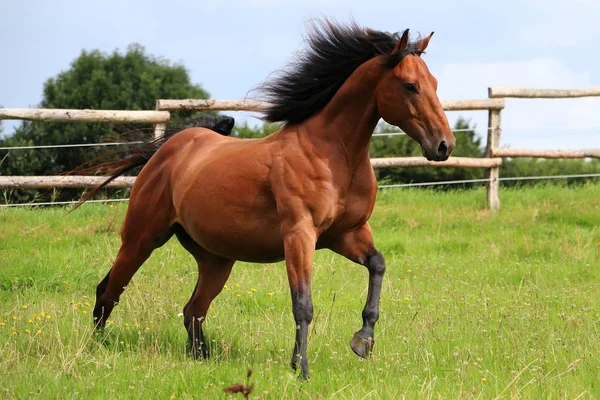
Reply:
x=347, y=122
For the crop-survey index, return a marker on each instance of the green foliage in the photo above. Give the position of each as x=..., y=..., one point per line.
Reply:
x=247, y=132
x=474, y=305
x=521, y=167
x=95, y=80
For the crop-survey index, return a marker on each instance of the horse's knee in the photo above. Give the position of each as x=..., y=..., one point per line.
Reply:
x=303, y=309
x=376, y=263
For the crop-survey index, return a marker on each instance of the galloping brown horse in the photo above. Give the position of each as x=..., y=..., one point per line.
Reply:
x=308, y=186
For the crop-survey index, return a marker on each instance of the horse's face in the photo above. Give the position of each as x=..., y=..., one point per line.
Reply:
x=407, y=98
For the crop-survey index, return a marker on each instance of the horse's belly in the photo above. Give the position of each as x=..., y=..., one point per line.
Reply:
x=238, y=222
x=239, y=242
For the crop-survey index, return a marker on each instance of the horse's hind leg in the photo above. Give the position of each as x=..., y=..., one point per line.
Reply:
x=213, y=272
x=144, y=230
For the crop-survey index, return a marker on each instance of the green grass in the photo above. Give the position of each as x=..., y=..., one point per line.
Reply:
x=474, y=305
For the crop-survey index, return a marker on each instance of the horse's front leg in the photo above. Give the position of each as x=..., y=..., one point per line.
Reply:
x=358, y=246
x=299, y=241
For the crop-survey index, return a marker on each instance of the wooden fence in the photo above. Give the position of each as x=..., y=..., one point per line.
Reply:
x=160, y=117
x=495, y=132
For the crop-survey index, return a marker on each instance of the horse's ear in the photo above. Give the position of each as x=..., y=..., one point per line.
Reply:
x=402, y=43
x=422, y=45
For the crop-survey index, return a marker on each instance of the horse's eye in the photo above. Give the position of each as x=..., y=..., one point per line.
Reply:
x=410, y=87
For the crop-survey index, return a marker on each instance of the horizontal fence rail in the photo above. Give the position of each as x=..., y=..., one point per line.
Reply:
x=513, y=153
x=527, y=93
x=51, y=182
x=71, y=181
x=257, y=106
x=458, y=162
x=42, y=114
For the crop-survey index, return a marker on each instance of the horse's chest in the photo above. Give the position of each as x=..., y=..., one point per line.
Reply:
x=355, y=208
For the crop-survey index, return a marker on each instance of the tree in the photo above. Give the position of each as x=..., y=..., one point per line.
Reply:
x=95, y=80
x=247, y=132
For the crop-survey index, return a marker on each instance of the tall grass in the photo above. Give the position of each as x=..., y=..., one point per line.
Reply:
x=474, y=304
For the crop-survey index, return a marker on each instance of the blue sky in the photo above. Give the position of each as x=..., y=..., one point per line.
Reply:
x=229, y=46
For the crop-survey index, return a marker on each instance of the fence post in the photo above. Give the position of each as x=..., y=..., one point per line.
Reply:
x=160, y=128
x=493, y=142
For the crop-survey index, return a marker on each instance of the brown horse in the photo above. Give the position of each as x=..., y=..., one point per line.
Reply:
x=308, y=186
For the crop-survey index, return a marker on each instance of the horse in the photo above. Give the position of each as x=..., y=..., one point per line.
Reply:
x=309, y=186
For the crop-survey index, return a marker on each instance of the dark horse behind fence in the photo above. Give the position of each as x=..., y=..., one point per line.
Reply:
x=308, y=186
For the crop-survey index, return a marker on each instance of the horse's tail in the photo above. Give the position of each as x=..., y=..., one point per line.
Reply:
x=138, y=155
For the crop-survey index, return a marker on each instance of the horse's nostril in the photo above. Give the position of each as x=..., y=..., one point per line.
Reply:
x=443, y=148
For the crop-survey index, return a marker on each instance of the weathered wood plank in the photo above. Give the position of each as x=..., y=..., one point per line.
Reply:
x=460, y=162
x=50, y=182
x=529, y=93
x=493, y=142
x=257, y=106
x=42, y=114
x=595, y=153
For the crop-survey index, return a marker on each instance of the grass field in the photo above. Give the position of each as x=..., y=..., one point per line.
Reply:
x=474, y=305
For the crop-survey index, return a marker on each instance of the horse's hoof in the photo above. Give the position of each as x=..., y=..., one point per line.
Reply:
x=199, y=352
x=362, y=346
x=99, y=323
x=304, y=376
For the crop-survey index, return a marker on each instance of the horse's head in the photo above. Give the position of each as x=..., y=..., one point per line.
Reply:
x=407, y=98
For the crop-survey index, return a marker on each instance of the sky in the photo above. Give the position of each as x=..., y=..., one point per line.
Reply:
x=230, y=46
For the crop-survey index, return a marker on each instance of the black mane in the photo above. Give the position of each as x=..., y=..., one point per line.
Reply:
x=309, y=82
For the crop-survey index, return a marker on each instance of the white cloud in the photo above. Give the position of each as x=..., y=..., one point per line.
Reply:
x=532, y=123
x=559, y=23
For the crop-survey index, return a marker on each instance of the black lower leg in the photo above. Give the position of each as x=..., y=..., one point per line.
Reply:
x=196, y=342
x=101, y=310
x=362, y=342
x=303, y=315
